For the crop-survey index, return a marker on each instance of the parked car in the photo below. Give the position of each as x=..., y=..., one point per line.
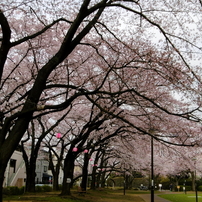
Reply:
x=143, y=188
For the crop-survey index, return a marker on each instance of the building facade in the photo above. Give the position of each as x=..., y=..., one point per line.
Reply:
x=15, y=174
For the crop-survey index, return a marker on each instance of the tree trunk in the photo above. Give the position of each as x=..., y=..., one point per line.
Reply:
x=93, y=182
x=30, y=165
x=8, y=146
x=94, y=178
x=85, y=172
x=1, y=188
x=30, y=179
x=193, y=178
x=55, y=171
x=55, y=182
x=68, y=173
x=103, y=179
x=129, y=182
x=98, y=179
x=2, y=171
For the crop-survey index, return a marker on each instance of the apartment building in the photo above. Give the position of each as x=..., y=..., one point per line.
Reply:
x=15, y=172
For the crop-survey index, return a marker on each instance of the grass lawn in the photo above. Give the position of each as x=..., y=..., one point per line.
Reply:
x=105, y=195
x=176, y=197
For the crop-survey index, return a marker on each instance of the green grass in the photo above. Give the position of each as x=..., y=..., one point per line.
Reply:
x=103, y=195
x=189, y=197
x=46, y=199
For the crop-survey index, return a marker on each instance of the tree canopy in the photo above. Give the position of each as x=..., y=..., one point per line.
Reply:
x=132, y=60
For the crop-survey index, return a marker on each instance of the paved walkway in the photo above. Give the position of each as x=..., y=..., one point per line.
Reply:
x=147, y=198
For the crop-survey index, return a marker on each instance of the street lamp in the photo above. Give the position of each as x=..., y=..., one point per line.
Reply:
x=152, y=169
x=196, y=187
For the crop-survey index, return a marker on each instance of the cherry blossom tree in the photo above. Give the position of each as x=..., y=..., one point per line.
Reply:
x=30, y=154
x=184, y=161
x=125, y=54
x=56, y=156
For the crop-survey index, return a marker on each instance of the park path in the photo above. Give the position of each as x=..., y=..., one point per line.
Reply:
x=147, y=198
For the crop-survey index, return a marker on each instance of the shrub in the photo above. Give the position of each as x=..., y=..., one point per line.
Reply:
x=39, y=188
x=6, y=191
x=47, y=188
x=13, y=190
x=60, y=187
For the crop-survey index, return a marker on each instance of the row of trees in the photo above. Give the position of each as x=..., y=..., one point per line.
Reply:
x=99, y=72
x=91, y=136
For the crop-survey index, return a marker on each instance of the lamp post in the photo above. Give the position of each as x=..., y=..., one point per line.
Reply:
x=196, y=188
x=196, y=193
x=152, y=169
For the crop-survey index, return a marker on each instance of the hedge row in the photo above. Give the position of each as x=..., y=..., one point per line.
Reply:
x=13, y=190
x=44, y=188
x=18, y=191
x=200, y=188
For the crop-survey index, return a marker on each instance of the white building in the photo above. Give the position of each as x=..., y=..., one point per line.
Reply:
x=43, y=174
x=15, y=172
